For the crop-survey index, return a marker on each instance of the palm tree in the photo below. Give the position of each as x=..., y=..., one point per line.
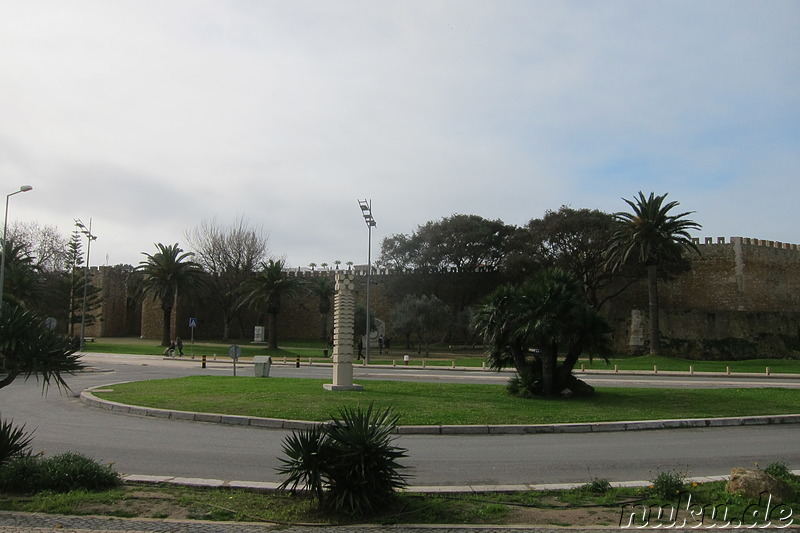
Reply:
x=21, y=275
x=165, y=274
x=651, y=236
x=267, y=288
x=529, y=326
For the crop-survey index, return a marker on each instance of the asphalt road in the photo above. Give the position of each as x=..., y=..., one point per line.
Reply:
x=153, y=446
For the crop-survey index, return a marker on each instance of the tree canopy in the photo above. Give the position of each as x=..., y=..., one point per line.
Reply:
x=464, y=243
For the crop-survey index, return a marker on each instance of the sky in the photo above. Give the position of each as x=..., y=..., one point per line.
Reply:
x=148, y=117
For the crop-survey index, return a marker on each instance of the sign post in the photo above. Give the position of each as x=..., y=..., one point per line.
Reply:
x=192, y=325
x=234, y=352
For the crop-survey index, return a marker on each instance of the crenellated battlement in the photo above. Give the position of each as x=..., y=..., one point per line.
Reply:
x=747, y=241
x=361, y=271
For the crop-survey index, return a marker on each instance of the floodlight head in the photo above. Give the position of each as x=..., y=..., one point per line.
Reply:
x=25, y=188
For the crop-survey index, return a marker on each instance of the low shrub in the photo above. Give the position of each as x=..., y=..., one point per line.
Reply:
x=780, y=470
x=667, y=485
x=596, y=486
x=60, y=473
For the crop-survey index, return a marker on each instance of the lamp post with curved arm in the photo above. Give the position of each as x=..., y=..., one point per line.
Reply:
x=23, y=188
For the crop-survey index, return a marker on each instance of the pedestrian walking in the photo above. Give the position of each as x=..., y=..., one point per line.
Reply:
x=179, y=346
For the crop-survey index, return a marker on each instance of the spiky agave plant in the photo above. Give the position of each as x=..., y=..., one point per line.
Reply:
x=14, y=441
x=307, y=463
x=364, y=470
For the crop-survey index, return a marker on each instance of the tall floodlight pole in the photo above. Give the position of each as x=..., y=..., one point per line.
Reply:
x=23, y=188
x=366, y=210
x=89, y=238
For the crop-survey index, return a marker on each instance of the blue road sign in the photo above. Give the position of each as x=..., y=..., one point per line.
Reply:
x=192, y=322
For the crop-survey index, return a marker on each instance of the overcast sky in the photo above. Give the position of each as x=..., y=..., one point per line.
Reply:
x=149, y=116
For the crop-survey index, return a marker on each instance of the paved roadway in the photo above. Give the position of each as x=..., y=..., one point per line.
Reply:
x=152, y=446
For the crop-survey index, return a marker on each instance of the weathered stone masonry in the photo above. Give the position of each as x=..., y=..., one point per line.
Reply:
x=740, y=295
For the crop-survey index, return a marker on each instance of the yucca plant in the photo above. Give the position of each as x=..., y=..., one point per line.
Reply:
x=14, y=441
x=307, y=466
x=350, y=465
x=365, y=471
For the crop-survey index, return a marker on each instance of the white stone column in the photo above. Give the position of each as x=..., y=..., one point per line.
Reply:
x=344, y=307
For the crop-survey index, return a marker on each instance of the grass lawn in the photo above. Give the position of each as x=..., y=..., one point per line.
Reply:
x=440, y=356
x=443, y=403
x=580, y=507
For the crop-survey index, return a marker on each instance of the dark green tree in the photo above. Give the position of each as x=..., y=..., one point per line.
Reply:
x=266, y=290
x=456, y=259
x=21, y=285
x=165, y=274
x=76, y=263
x=651, y=235
x=425, y=318
x=529, y=327
x=574, y=240
x=462, y=243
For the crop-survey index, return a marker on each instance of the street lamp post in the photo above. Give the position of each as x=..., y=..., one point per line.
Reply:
x=23, y=188
x=366, y=210
x=89, y=238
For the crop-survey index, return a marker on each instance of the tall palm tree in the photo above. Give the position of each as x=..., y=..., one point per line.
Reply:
x=651, y=235
x=267, y=289
x=167, y=273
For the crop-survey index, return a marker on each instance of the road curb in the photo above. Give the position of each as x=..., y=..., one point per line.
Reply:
x=264, y=486
x=88, y=398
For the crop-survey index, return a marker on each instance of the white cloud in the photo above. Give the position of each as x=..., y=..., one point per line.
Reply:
x=151, y=116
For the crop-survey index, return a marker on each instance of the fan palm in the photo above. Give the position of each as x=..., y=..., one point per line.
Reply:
x=166, y=273
x=651, y=235
x=528, y=327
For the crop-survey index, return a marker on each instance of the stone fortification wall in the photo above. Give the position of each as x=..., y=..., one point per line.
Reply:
x=118, y=314
x=741, y=296
x=300, y=318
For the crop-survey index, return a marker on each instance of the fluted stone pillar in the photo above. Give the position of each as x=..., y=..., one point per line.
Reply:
x=344, y=308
